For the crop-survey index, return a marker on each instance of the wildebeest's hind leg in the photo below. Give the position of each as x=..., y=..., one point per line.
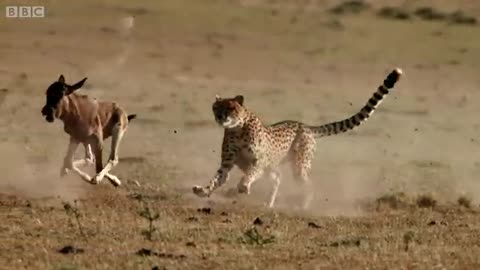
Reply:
x=69, y=164
x=117, y=134
x=113, y=179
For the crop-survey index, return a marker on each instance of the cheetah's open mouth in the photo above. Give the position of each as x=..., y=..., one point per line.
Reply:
x=229, y=122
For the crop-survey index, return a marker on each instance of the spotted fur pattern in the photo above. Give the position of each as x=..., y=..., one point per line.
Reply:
x=257, y=149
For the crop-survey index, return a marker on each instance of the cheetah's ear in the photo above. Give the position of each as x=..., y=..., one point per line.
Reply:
x=217, y=97
x=239, y=99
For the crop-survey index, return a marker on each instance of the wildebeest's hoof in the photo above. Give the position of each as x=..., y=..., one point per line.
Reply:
x=63, y=171
x=95, y=180
x=115, y=182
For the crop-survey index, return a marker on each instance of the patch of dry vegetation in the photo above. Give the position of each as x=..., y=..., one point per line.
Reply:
x=190, y=237
x=426, y=14
x=350, y=7
x=426, y=201
x=402, y=201
x=465, y=202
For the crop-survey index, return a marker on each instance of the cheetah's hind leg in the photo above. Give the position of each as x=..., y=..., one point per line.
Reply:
x=275, y=176
x=302, y=164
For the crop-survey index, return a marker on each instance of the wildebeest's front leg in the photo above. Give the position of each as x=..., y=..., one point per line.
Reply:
x=88, y=159
x=96, y=143
x=68, y=161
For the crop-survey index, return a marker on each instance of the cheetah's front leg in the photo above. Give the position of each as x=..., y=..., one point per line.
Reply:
x=220, y=178
x=229, y=155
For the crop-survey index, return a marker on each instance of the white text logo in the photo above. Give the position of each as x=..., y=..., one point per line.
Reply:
x=25, y=11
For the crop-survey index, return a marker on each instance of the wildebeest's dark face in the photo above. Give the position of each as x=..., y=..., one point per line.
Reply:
x=55, y=93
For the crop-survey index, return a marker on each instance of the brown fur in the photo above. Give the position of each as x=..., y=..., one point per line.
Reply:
x=88, y=122
x=83, y=117
x=257, y=149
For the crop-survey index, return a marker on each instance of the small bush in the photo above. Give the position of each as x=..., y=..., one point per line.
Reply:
x=148, y=214
x=356, y=242
x=426, y=201
x=352, y=7
x=73, y=211
x=458, y=17
x=393, y=13
x=408, y=238
x=253, y=237
x=430, y=14
x=394, y=200
x=464, y=201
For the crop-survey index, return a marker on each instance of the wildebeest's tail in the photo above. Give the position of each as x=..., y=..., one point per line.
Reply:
x=131, y=117
x=362, y=116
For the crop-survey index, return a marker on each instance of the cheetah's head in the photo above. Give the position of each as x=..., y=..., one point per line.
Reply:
x=229, y=112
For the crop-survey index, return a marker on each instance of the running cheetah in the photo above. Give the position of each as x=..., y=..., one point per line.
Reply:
x=257, y=149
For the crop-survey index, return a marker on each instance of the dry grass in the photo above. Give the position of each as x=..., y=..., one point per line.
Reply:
x=426, y=201
x=113, y=235
x=465, y=202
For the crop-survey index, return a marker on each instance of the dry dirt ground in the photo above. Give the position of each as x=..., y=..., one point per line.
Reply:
x=387, y=194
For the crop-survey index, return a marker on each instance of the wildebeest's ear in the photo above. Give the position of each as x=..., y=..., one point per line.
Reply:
x=239, y=99
x=217, y=97
x=76, y=86
x=61, y=79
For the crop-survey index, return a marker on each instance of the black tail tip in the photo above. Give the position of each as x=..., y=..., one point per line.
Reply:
x=392, y=78
x=131, y=116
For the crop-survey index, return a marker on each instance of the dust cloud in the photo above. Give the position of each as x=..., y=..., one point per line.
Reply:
x=35, y=177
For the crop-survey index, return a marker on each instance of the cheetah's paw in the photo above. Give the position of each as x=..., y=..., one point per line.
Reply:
x=200, y=191
x=243, y=189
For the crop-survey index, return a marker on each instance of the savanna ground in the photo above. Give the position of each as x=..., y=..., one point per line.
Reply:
x=401, y=192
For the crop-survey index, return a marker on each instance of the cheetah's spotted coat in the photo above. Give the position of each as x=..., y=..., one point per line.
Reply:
x=257, y=149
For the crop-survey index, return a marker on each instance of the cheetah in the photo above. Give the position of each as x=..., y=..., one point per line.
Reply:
x=257, y=149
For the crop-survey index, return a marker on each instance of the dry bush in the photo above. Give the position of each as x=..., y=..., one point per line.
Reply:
x=393, y=201
x=351, y=7
x=464, y=201
x=430, y=14
x=253, y=236
x=394, y=13
x=400, y=200
x=459, y=17
x=426, y=201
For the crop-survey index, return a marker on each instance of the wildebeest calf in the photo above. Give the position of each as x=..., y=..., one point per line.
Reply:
x=88, y=122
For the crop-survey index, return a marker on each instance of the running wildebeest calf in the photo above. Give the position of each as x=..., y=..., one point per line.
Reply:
x=88, y=122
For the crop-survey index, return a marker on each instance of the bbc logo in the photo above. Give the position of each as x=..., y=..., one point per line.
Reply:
x=25, y=11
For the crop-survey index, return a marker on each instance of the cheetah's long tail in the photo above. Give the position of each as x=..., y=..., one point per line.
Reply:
x=365, y=113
